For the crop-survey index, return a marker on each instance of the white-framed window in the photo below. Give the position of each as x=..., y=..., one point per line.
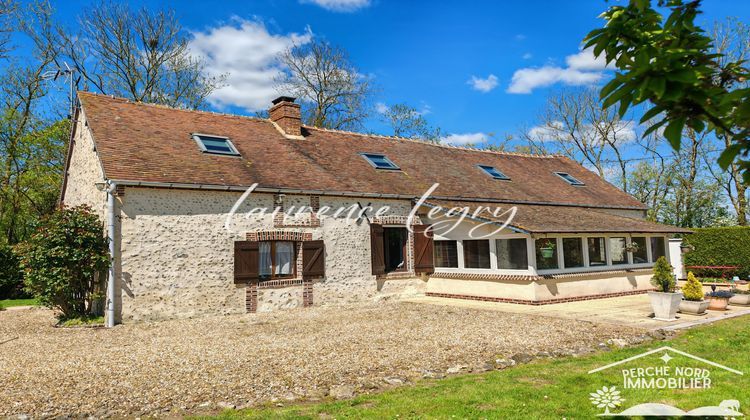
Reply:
x=512, y=254
x=218, y=145
x=546, y=251
x=597, y=251
x=446, y=253
x=658, y=247
x=572, y=249
x=592, y=252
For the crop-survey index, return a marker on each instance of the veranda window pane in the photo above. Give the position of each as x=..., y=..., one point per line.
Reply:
x=640, y=253
x=657, y=248
x=477, y=254
x=617, y=250
x=446, y=254
x=597, y=252
x=512, y=254
x=573, y=252
x=546, y=253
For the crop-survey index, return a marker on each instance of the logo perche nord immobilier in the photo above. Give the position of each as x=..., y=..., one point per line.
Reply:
x=663, y=377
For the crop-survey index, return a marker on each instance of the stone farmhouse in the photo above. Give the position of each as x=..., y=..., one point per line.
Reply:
x=215, y=214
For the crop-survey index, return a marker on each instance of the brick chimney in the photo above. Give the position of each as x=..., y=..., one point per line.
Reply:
x=286, y=114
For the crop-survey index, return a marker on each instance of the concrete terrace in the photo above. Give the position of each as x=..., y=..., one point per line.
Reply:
x=632, y=311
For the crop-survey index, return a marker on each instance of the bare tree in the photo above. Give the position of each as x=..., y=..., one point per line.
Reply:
x=575, y=124
x=732, y=41
x=7, y=11
x=407, y=121
x=141, y=55
x=31, y=146
x=334, y=93
x=651, y=180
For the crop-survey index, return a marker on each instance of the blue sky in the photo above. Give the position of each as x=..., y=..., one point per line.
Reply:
x=424, y=53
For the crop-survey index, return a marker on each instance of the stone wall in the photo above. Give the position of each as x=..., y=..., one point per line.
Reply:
x=84, y=171
x=177, y=257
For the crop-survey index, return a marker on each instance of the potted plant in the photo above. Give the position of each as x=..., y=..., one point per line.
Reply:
x=741, y=297
x=664, y=300
x=548, y=248
x=692, y=297
x=718, y=299
x=632, y=247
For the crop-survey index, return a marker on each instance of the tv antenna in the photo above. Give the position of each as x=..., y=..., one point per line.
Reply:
x=68, y=72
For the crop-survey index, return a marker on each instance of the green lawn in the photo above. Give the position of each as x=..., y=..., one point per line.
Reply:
x=7, y=303
x=552, y=388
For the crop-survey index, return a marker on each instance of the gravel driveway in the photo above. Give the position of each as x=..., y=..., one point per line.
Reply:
x=182, y=366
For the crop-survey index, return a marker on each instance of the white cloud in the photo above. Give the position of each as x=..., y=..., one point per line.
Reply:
x=381, y=108
x=340, y=5
x=483, y=85
x=520, y=37
x=464, y=139
x=621, y=132
x=527, y=56
x=247, y=53
x=582, y=69
x=526, y=80
x=585, y=60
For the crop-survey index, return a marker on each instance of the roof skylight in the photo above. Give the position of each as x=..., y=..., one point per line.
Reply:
x=570, y=179
x=379, y=161
x=215, y=144
x=493, y=172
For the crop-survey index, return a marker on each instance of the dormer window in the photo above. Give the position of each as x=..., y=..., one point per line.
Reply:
x=570, y=179
x=218, y=145
x=379, y=161
x=493, y=172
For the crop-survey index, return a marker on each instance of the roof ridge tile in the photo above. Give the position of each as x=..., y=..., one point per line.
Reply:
x=432, y=143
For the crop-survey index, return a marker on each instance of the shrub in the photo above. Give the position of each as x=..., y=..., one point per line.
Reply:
x=65, y=260
x=736, y=291
x=11, y=276
x=720, y=246
x=692, y=290
x=722, y=294
x=663, y=278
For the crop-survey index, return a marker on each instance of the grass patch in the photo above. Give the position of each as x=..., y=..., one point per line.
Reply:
x=9, y=303
x=84, y=321
x=551, y=388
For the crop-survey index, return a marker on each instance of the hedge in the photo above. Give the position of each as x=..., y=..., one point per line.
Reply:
x=11, y=276
x=720, y=246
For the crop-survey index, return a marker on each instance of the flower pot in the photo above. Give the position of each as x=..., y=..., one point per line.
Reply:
x=547, y=252
x=741, y=300
x=693, y=307
x=665, y=305
x=718, y=303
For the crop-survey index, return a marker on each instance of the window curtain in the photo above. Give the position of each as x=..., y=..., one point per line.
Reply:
x=264, y=249
x=284, y=255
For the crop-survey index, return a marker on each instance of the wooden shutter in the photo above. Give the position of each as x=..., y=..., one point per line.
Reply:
x=377, y=249
x=423, y=250
x=313, y=259
x=245, y=261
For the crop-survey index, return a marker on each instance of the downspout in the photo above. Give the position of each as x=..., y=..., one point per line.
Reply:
x=111, y=186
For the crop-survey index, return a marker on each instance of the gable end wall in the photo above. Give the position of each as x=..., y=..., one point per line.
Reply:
x=84, y=171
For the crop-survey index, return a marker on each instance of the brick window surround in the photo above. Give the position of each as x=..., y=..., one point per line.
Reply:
x=251, y=291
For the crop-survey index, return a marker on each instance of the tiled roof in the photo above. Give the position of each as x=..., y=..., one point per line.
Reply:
x=149, y=143
x=559, y=219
